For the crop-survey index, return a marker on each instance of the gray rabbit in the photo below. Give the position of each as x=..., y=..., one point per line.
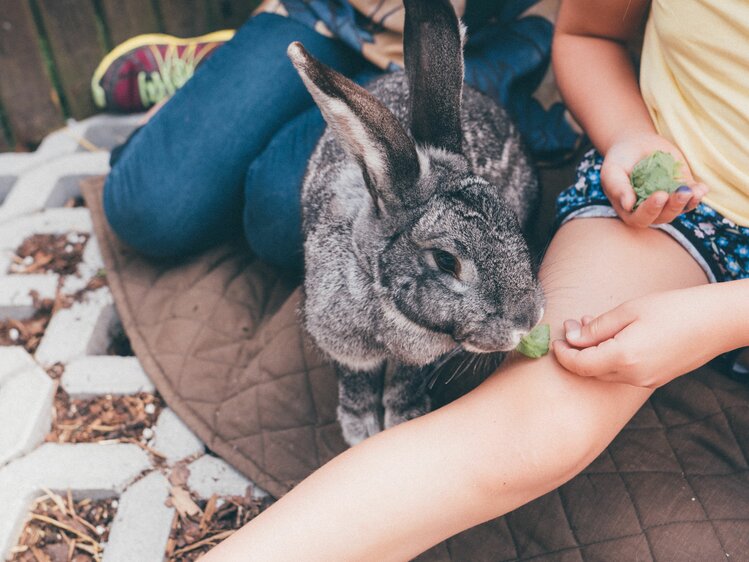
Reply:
x=413, y=242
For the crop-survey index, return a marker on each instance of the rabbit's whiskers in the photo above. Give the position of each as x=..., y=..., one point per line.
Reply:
x=437, y=365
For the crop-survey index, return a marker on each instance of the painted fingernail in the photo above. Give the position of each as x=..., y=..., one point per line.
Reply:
x=684, y=189
x=572, y=329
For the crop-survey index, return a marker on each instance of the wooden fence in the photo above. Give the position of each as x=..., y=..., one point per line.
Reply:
x=50, y=48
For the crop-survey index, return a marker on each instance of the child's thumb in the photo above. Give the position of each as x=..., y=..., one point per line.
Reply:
x=598, y=330
x=619, y=190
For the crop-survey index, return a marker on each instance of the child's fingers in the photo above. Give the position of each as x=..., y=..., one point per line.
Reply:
x=597, y=330
x=648, y=211
x=596, y=361
x=618, y=189
x=675, y=205
x=699, y=190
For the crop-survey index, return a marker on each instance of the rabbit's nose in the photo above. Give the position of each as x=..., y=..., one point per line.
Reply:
x=526, y=318
x=527, y=310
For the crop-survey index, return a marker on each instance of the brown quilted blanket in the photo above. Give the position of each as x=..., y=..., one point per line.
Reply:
x=219, y=336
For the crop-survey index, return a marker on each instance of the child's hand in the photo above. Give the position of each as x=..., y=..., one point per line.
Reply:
x=647, y=341
x=660, y=207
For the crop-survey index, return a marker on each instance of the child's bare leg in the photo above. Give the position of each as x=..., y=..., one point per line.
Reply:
x=525, y=431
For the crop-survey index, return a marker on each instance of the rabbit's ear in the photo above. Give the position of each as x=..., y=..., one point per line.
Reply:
x=433, y=50
x=366, y=129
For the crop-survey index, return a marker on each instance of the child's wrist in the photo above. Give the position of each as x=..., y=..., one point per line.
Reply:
x=738, y=305
x=728, y=310
x=637, y=133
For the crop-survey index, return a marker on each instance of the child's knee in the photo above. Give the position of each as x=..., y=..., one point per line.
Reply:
x=140, y=222
x=272, y=217
x=272, y=213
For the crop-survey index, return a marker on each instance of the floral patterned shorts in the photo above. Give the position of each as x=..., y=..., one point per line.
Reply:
x=719, y=245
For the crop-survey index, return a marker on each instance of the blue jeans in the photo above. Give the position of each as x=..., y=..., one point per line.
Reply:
x=226, y=156
x=228, y=152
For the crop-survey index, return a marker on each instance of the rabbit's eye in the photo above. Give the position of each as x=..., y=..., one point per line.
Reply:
x=447, y=262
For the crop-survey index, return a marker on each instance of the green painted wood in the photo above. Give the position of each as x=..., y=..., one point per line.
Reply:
x=6, y=141
x=31, y=105
x=185, y=18
x=71, y=27
x=4, y=144
x=128, y=18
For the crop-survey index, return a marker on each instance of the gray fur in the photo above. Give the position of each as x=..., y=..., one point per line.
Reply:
x=433, y=54
x=373, y=291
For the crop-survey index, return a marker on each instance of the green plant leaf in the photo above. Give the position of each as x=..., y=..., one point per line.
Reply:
x=535, y=344
x=658, y=172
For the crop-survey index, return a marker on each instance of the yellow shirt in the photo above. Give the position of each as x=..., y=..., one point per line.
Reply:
x=694, y=77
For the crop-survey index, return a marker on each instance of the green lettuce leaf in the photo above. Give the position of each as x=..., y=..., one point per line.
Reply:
x=535, y=344
x=657, y=172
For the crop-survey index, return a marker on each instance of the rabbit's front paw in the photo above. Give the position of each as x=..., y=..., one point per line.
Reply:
x=398, y=413
x=357, y=427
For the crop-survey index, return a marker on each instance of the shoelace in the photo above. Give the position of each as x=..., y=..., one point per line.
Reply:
x=172, y=72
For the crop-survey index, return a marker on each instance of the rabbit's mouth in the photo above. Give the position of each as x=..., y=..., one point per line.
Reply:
x=511, y=344
x=505, y=339
x=473, y=349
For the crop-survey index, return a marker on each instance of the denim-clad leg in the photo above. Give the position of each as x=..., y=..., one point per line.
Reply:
x=508, y=59
x=272, y=211
x=177, y=187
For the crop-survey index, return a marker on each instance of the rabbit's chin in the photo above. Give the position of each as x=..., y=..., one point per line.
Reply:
x=473, y=349
x=517, y=335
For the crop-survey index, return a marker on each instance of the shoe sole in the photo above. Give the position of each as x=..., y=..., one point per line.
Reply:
x=139, y=41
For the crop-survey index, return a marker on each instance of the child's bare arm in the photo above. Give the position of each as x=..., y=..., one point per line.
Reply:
x=594, y=70
x=598, y=82
x=651, y=340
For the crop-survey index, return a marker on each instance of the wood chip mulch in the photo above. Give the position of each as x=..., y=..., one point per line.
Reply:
x=96, y=282
x=29, y=332
x=47, y=253
x=50, y=253
x=199, y=525
x=56, y=371
x=62, y=530
x=105, y=418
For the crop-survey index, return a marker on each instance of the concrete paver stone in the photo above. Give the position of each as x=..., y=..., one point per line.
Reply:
x=91, y=376
x=33, y=188
x=16, y=299
x=173, y=439
x=26, y=394
x=141, y=526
